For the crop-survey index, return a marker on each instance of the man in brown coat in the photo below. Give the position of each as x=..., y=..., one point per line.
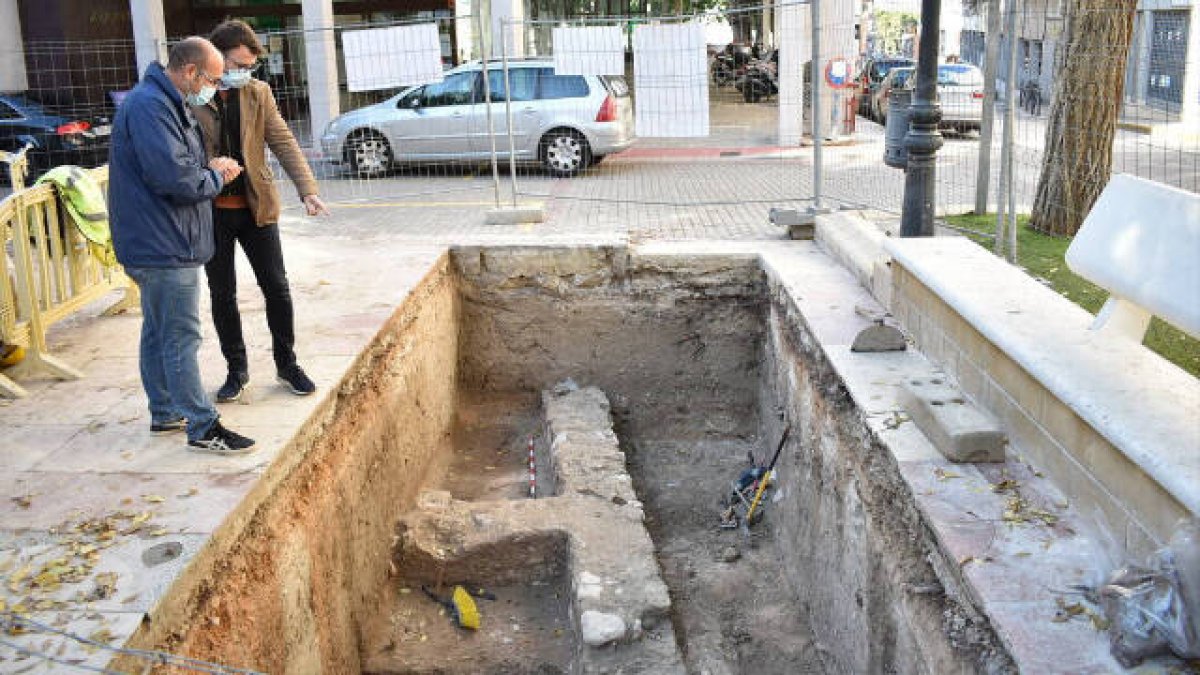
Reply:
x=241, y=121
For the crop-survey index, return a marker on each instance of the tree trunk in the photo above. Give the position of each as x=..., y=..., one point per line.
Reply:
x=1083, y=115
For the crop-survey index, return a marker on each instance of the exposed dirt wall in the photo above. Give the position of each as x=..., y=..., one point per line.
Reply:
x=856, y=550
x=667, y=338
x=284, y=583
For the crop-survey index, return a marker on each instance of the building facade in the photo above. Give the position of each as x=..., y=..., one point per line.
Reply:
x=1162, y=71
x=1164, y=63
x=79, y=57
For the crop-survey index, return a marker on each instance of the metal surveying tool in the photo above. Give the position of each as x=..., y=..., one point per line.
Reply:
x=744, y=504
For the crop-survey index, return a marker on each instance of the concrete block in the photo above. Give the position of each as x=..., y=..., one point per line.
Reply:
x=800, y=224
x=515, y=215
x=790, y=217
x=959, y=430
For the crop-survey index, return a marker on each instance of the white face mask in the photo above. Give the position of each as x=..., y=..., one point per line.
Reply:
x=202, y=97
x=236, y=79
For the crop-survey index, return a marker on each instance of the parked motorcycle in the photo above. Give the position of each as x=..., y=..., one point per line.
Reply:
x=759, y=80
x=724, y=72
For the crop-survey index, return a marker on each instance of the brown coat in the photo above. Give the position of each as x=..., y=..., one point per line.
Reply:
x=262, y=127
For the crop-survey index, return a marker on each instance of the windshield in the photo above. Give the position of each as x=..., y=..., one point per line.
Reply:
x=882, y=68
x=900, y=77
x=960, y=75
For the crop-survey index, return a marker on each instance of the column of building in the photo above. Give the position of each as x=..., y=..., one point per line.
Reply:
x=12, y=51
x=320, y=64
x=508, y=29
x=149, y=33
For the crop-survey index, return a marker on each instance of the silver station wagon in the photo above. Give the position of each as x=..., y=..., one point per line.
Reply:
x=564, y=122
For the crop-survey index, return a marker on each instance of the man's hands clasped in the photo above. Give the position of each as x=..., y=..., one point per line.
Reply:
x=227, y=167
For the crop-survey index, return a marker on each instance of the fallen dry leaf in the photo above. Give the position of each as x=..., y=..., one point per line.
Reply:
x=943, y=475
x=19, y=576
x=24, y=501
x=106, y=586
x=1006, y=485
x=154, y=499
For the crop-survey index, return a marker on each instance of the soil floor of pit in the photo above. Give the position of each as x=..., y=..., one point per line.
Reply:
x=526, y=630
x=491, y=439
x=730, y=617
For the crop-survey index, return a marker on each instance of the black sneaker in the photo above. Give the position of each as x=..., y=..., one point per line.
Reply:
x=221, y=441
x=235, y=384
x=293, y=378
x=168, y=427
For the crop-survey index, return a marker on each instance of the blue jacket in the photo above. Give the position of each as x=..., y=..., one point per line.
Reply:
x=160, y=187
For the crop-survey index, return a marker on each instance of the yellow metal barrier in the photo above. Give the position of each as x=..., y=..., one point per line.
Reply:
x=51, y=275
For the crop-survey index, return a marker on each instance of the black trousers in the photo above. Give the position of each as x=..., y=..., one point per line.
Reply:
x=262, y=248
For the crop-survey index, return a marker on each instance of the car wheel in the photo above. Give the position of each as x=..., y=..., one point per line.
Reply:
x=369, y=155
x=565, y=153
x=754, y=91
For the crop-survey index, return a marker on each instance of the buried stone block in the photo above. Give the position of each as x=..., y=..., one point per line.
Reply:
x=958, y=429
x=591, y=531
x=599, y=628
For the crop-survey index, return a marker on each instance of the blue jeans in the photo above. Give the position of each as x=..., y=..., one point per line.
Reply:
x=170, y=341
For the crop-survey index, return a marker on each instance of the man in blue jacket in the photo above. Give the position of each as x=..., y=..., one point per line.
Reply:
x=161, y=185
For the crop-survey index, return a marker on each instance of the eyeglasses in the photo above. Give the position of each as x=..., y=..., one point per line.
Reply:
x=214, y=81
x=243, y=66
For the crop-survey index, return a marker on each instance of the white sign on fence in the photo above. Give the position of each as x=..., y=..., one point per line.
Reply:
x=383, y=58
x=589, y=50
x=670, y=66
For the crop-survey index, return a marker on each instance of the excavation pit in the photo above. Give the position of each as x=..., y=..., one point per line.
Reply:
x=415, y=472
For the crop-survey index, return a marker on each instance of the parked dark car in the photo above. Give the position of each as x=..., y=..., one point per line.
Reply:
x=871, y=76
x=897, y=78
x=56, y=138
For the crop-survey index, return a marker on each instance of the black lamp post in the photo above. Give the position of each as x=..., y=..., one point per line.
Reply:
x=923, y=139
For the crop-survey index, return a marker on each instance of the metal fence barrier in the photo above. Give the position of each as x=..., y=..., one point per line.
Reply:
x=711, y=156
x=47, y=273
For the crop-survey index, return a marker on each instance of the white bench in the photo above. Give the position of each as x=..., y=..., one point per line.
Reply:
x=1141, y=243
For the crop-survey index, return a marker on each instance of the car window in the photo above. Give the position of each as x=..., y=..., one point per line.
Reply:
x=522, y=80
x=960, y=75
x=617, y=85
x=7, y=112
x=882, y=68
x=406, y=101
x=561, y=86
x=456, y=89
x=900, y=78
